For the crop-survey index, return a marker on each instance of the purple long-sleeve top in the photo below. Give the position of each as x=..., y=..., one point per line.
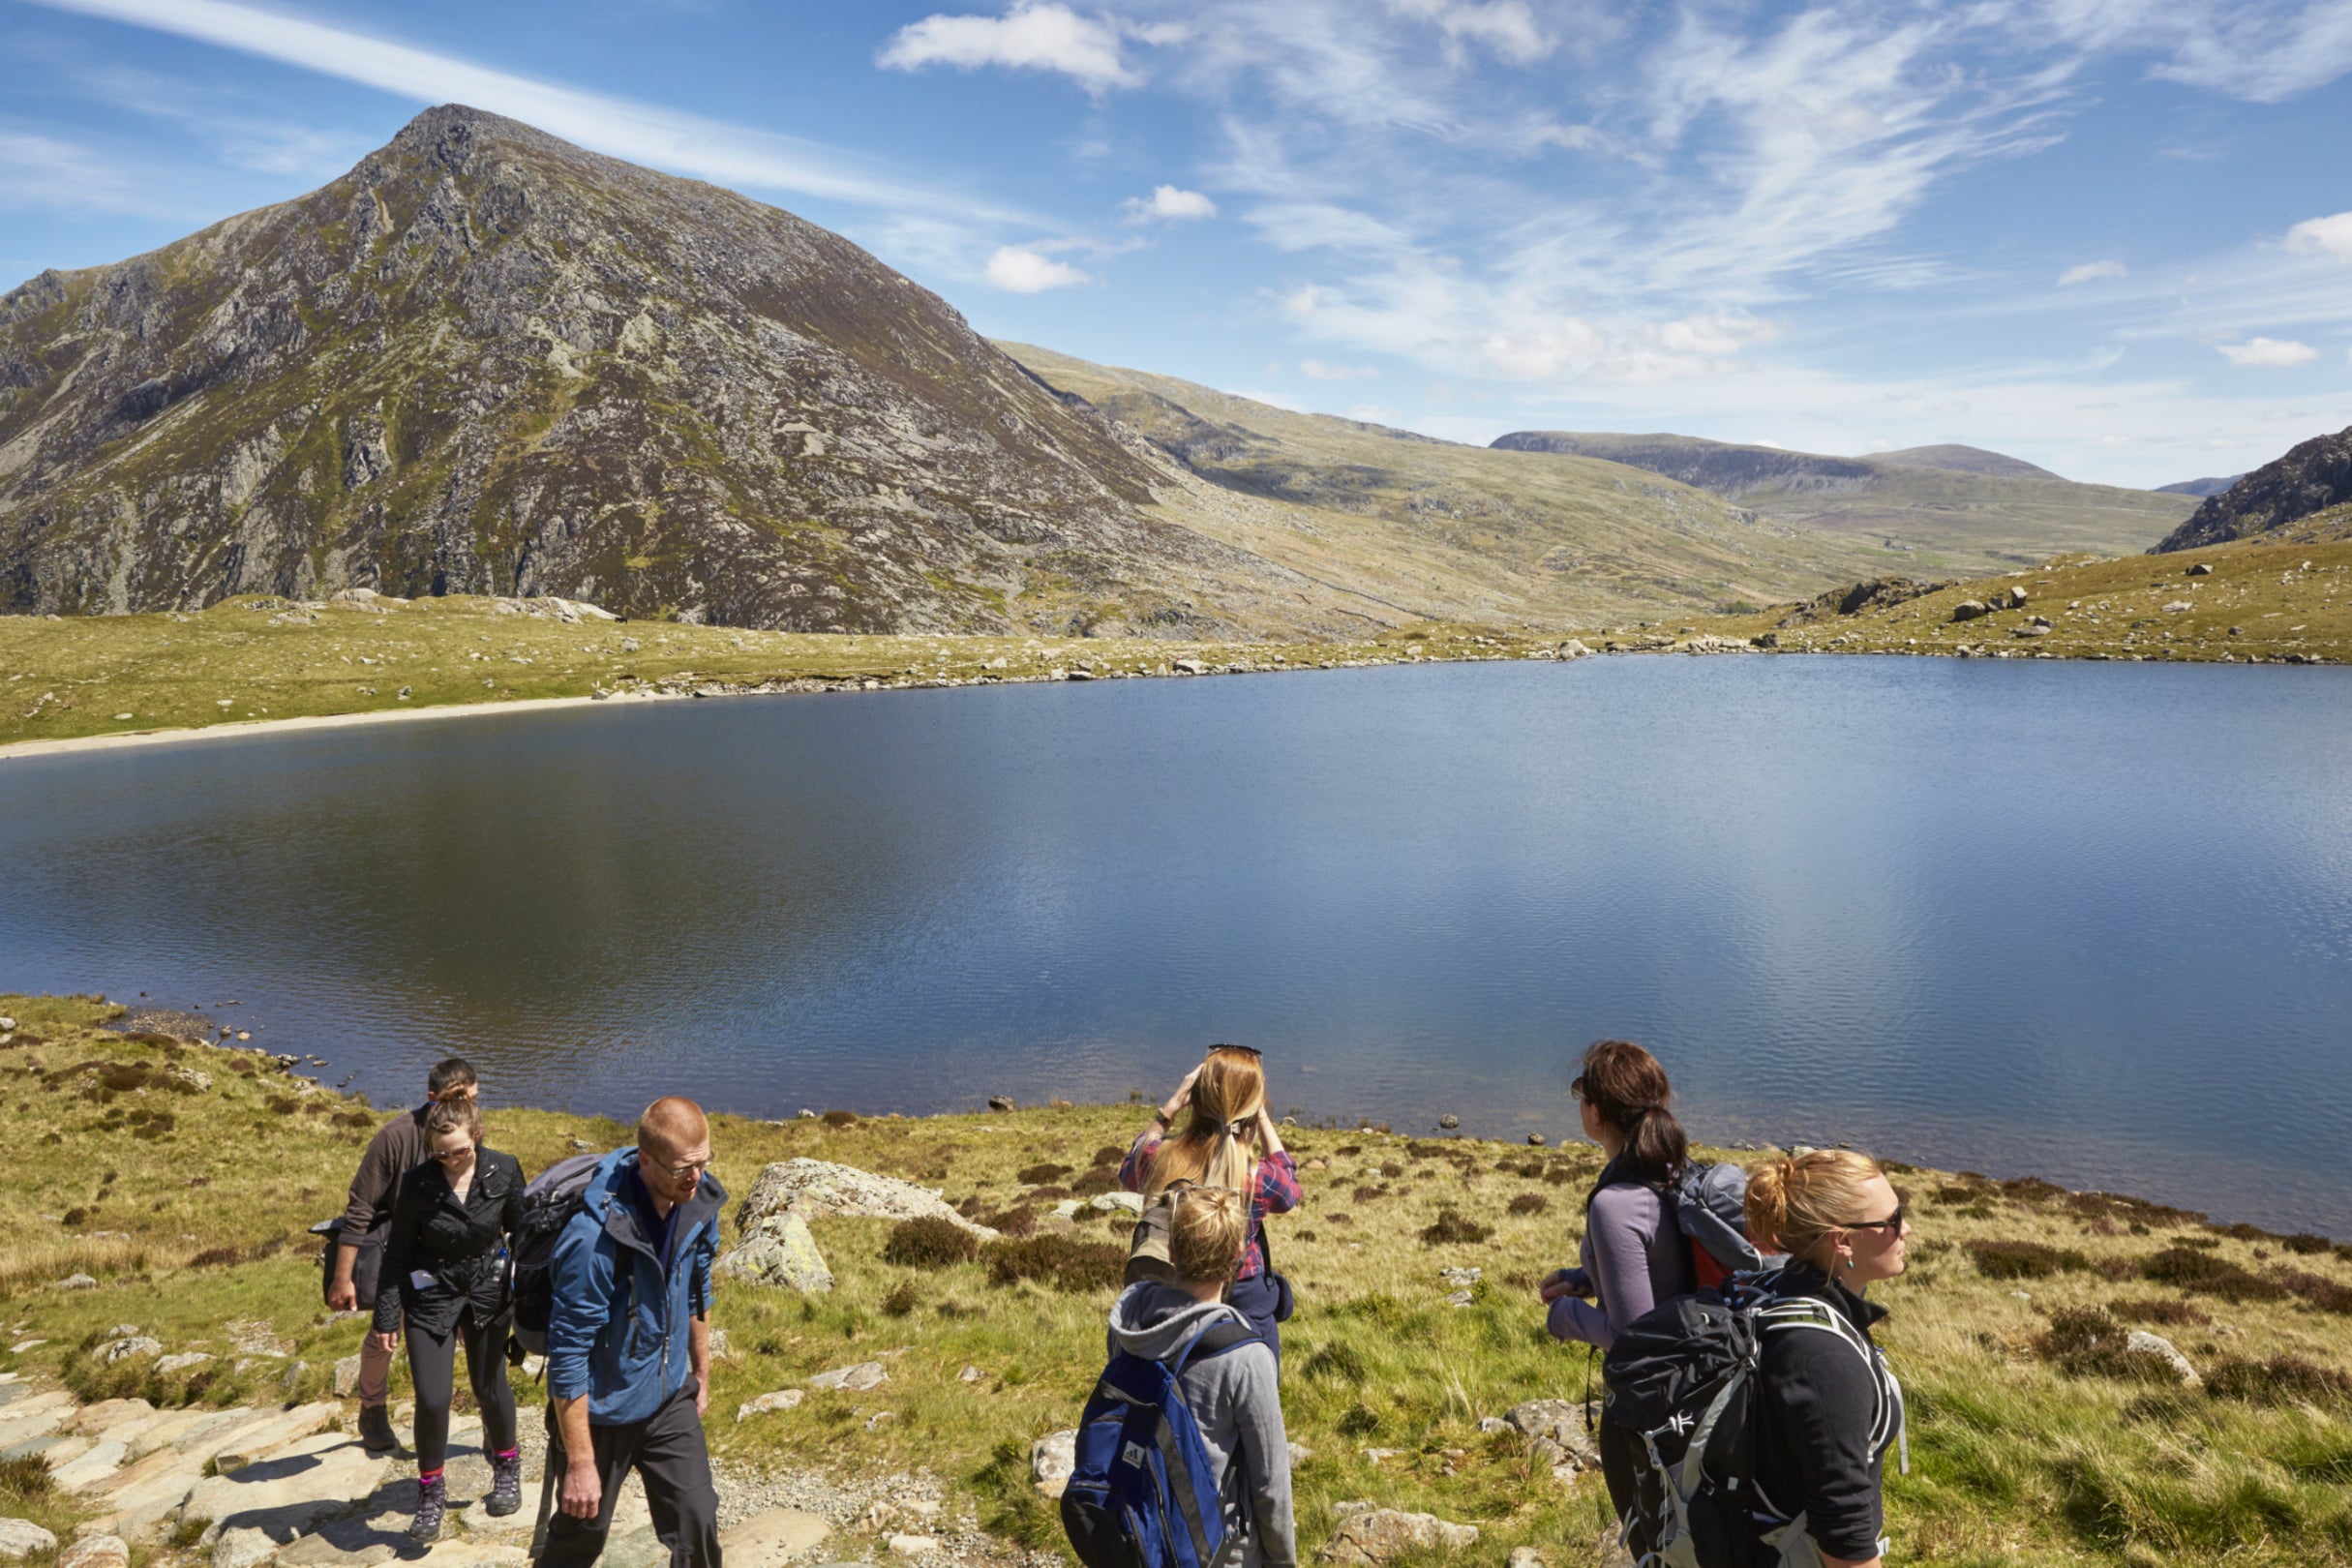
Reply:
x=1634, y=1257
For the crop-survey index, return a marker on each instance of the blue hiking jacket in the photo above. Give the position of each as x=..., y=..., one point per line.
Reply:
x=621, y=1326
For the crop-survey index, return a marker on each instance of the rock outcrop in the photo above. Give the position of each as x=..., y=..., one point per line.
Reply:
x=487, y=361
x=2311, y=478
x=819, y=1189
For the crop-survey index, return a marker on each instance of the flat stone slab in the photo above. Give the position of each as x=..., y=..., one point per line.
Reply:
x=233, y=1448
x=292, y=1490
x=36, y=1417
x=136, y=1499
x=98, y=1551
x=98, y=1419
x=858, y=1378
x=96, y=1464
x=773, y=1539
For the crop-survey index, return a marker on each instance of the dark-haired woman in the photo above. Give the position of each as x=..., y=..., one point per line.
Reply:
x=1634, y=1254
x=448, y=1247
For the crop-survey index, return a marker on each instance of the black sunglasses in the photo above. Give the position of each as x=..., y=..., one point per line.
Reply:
x=1250, y=1050
x=1894, y=1221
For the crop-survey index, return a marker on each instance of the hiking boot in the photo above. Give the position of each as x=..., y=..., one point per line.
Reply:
x=505, y=1486
x=376, y=1430
x=432, y=1502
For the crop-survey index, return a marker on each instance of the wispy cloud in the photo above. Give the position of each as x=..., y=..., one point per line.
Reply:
x=43, y=171
x=666, y=138
x=2091, y=272
x=1316, y=370
x=2271, y=353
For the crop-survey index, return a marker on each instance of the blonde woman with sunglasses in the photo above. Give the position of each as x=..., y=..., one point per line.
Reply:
x=1228, y=1140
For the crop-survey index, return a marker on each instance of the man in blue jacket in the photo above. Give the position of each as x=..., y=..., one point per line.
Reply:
x=628, y=1343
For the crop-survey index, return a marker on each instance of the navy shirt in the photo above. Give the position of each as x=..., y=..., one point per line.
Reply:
x=657, y=1226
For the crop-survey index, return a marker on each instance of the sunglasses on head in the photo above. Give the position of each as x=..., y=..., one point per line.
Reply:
x=1246, y=1050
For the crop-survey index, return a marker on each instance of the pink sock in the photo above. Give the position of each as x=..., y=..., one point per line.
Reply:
x=504, y=1454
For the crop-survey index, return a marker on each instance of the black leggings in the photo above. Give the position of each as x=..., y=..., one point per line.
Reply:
x=433, y=1369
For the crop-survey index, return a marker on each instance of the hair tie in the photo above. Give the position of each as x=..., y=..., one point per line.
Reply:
x=1238, y=1128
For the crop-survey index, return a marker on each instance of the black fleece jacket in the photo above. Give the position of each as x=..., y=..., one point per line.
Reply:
x=460, y=1244
x=1830, y=1416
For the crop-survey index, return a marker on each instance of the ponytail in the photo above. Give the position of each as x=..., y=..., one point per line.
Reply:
x=1795, y=1201
x=1216, y=1146
x=1625, y=1084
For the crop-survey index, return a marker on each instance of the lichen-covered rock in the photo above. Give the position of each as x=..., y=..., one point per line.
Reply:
x=98, y=1550
x=1376, y=1536
x=2141, y=1342
x=1052, y=1459
x=783, y=1399
x=858, y=1378
x=820, y=1190
x=22, y=1538
x=780, y=1250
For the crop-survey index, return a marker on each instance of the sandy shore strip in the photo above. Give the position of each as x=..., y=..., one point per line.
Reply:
x=284, y=726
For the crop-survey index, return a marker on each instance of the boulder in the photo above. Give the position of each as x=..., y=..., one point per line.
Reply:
x=773, y=1539
x=21, y=1538
x=1051, y=1460
x=1376, y=1536
x=1131, y=1202
x=76, y=1281
x=1002, y=1102
x=819, y=1189
x=1525, y=1557
x=2203, y=568
x=780, y=1250
x=96, y=1551
x=244, y=1548
x=970, y=1374
x=783, y=1399
x=1535, y=1141
x=1970, y=609
x=857, y=1379
x=346, y=1377
x=2144, y=1344
x=1449, y=1121
x=291, y=1490
x=138, y=1344
x=1573, y=649
x=2179, y=607
x=185, y=1361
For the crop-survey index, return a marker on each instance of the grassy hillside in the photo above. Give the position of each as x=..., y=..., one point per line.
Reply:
x=2288, y=597
x=262, y=658
x=1936, y=520
x=1456, y=532
x=2036, y=1438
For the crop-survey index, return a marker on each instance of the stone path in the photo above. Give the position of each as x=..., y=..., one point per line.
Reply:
x=289, y=1485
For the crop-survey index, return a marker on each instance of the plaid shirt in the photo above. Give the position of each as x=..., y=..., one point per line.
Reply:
x=1277, y=1193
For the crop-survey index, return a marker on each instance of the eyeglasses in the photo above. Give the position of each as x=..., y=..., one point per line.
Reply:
x=446, y=1156
x=1576, y=1088
x=1892, y=1223
x=679, y=1173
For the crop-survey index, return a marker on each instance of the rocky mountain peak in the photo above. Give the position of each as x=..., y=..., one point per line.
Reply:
x=488, y=361
x=2311, y=479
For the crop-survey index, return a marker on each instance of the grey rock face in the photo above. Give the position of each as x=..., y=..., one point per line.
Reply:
x=485, y=361
x=2311, y=479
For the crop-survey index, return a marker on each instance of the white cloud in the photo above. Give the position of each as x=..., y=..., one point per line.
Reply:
x=1031, y=36
x=1168, y=204
x=2268, y=353
x=2323, y=236
x=1021, y=270
x=1316, y=370
x=1507, y=28
x=1273, y=399
x=665, y=138
x=2090, y=271
x=1312, y=226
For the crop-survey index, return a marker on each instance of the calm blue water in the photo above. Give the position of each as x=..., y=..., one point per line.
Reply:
x=2092, y=921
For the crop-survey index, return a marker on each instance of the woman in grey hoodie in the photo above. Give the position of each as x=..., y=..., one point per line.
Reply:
x=1233, y=1395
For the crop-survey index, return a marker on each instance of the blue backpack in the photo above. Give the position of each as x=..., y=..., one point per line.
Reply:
x=1142, y=1493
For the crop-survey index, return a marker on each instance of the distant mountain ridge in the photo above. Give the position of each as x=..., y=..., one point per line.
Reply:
x=2200, y=488
x=2311, y=479
x=488, y=361
x=1953, y=510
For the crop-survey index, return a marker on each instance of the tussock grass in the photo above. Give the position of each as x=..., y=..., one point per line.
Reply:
x=2018, y=1457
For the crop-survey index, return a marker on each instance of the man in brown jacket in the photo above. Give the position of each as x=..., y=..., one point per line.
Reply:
x=398, y=1148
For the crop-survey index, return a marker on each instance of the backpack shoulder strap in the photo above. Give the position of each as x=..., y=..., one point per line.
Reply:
x=1215, y=1339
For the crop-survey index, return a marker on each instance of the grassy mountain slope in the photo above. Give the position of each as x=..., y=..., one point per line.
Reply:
x=1450, y=531
x=2035, y=1437
x=1963, y=459
x=485, y=361
x=1938, y=520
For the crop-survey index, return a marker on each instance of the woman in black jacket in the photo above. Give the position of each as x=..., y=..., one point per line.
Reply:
x=1831, y=1407
x=448, y=1250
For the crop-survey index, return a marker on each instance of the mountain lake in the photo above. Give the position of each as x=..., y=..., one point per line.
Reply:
x=2090, y=921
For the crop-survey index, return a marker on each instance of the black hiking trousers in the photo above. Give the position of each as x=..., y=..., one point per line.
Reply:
x=666, y=1450
x=433, y=1369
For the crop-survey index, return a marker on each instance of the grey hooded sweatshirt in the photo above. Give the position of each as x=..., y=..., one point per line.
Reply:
x=1235, y=1398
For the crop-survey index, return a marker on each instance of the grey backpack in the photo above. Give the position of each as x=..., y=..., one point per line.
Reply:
x=1710, y=1208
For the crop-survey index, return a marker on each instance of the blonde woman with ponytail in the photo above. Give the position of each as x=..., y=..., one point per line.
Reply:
x=1830, y=1407
x=1229, y=1141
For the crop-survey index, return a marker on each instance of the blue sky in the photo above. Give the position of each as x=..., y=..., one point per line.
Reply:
x=2110, y=236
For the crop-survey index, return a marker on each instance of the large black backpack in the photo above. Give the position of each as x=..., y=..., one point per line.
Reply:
x=549, y=1203
x=1681, y=1382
